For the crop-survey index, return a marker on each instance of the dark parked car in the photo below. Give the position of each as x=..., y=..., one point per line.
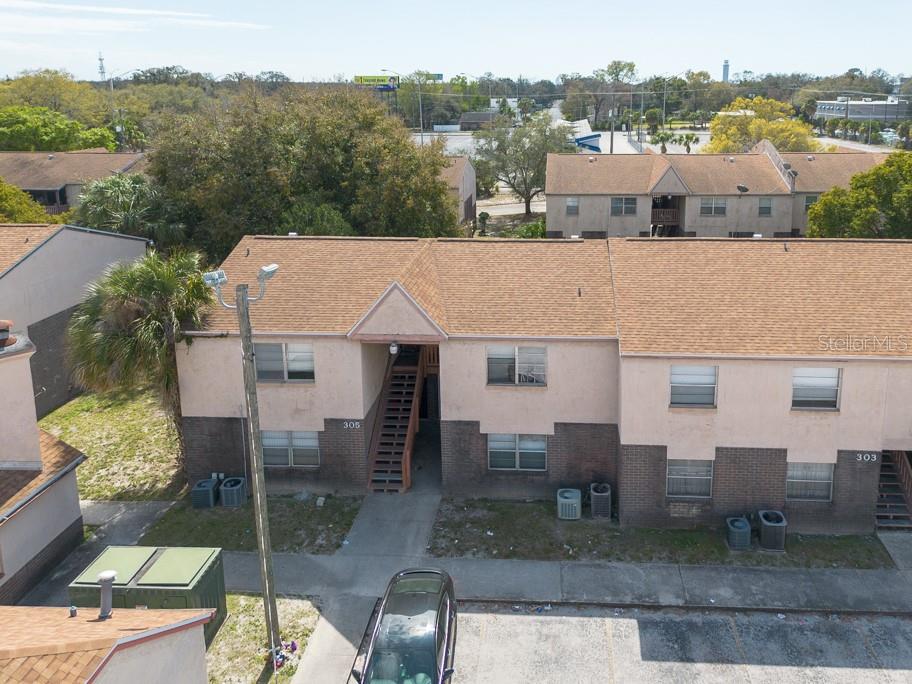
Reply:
x=414, y=636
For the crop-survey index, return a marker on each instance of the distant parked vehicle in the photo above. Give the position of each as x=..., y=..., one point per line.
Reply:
x=414, y=636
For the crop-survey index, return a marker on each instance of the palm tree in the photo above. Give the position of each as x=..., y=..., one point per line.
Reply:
x=124, y=333
x=662, y=138
x=688, y=140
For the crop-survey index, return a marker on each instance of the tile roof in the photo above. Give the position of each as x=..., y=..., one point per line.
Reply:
x=17, y=486
x=51, y=171
x=42, y=644
x=468, y=287
x=820, y=171
x=17, y=240
x=453, y=172
x=761, y=297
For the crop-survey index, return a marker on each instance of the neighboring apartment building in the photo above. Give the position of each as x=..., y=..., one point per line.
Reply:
x=763, y=192
x=55, y=179
x=46, y=644
x=691, y=375
x=44, y=273
x=40, y=520
x=459, y=176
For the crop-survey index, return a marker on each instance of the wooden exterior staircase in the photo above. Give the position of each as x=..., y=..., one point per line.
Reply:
x=393, y=437
x=894, y=492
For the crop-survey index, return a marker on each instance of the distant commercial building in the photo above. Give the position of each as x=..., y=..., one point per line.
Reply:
x=475, y=121
x=867, y=109
x=55, y=179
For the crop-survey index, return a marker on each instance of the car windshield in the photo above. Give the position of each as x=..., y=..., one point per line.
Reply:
x=405, y=648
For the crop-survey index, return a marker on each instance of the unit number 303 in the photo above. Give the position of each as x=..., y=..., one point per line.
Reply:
x=870, y=458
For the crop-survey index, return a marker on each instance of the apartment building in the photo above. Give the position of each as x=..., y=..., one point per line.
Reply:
x=44, y=273
x=700, y=378
x=762, y=192
x=459, y=176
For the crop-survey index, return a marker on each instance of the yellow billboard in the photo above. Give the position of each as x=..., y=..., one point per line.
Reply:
x=384, y=80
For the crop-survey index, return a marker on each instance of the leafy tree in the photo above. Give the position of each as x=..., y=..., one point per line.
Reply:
x=653, y=118
x=124, y=333
x=832, y=126
x=39, y=128
x=525, y=107
x=59, y=92
x=243, y=168
x=877, y=204
x=17, y=206
x=518, y=156
x=747, y=121
x=904, y=133
x=312, y=217
x=687, y=140
x=129, y=204
x=504, y=108
x=662, y=138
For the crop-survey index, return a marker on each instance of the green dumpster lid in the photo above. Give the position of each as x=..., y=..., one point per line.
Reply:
x=176, y=566
x=125, y=560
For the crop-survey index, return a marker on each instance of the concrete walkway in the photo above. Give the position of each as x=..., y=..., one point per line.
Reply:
x=120, y=523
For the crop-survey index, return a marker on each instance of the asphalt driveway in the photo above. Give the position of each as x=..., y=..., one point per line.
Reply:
x=520, y=644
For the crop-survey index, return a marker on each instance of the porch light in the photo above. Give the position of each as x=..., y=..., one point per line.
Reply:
x=394, y=348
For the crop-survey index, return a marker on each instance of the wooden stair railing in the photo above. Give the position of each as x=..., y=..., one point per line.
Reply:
x=904, y=474
x=378, y=417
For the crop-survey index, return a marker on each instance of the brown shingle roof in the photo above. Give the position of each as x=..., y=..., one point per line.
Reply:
x=453, y=172
x=40, y=644
x=761, y=297
x=716, y=174
x=18, y=485
x=17, y=240
x=468, y=287
x=53, y=170
x=821, y=171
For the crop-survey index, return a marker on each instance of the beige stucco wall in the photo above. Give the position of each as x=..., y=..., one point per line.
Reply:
x=18, y=422
x=754, y=409
x=26, y=534
x=741, y=214
x=212, y=383
x=582, y=387
x=595, y=214
x=55, y=277
x=396, y=317
x=799, y=215
x=176, y=658
x=374, y=358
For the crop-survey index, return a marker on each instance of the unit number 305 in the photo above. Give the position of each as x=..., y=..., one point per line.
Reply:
x=870, y=458
x=351, y=424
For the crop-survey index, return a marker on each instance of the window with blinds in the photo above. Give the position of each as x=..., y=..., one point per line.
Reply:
x=809, y=482
x=691, y=478
x=693, y=386
x=815, y=388
x=517, y=452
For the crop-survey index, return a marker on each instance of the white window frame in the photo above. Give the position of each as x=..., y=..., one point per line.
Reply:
x=572, y=203
x=712, y=474
x=305, y=348
x=671, y=385
x=838, y=401
x=768, y=206
x=624, y=200
x=516, y=365
x=290, y=442
x=517, y=438
x=788, y=479
x=714, y=204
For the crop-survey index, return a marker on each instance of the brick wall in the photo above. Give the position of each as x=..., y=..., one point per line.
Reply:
x=744, y=481
x=578, y=453
x=219, y=445
x=15, y=587
x=51, y=380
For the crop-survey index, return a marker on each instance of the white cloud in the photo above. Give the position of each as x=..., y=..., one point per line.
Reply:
x=96, y=9
x=33, y=25
x=217, y=23
x=161, y=17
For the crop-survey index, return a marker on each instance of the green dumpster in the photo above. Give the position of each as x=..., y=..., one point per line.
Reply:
x=158, y=577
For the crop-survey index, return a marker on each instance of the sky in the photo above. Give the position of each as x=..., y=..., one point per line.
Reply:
x=320, y=40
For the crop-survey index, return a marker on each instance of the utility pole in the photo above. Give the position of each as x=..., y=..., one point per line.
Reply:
x=216, y=279
x=256, y=472
x=420, y=111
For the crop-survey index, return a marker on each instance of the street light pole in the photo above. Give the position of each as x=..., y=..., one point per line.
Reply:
x=267, y=581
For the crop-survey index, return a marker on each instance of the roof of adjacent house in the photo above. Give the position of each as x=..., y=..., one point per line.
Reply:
x=467, y=287
x=701, y=174
x=43, y=644
x=821, y=171
x=453, y=172
x=53, y=170
x=19, y=240
x=19, y=486
x=718, y=296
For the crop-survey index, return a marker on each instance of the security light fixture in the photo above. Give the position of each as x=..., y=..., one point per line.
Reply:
x=266, y=272
x=215, y=278
x=394, y=348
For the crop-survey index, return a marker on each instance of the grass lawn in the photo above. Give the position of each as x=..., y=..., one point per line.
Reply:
x=238, y=652
x=130, y=443
x=293, y=525
x=482, y=528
